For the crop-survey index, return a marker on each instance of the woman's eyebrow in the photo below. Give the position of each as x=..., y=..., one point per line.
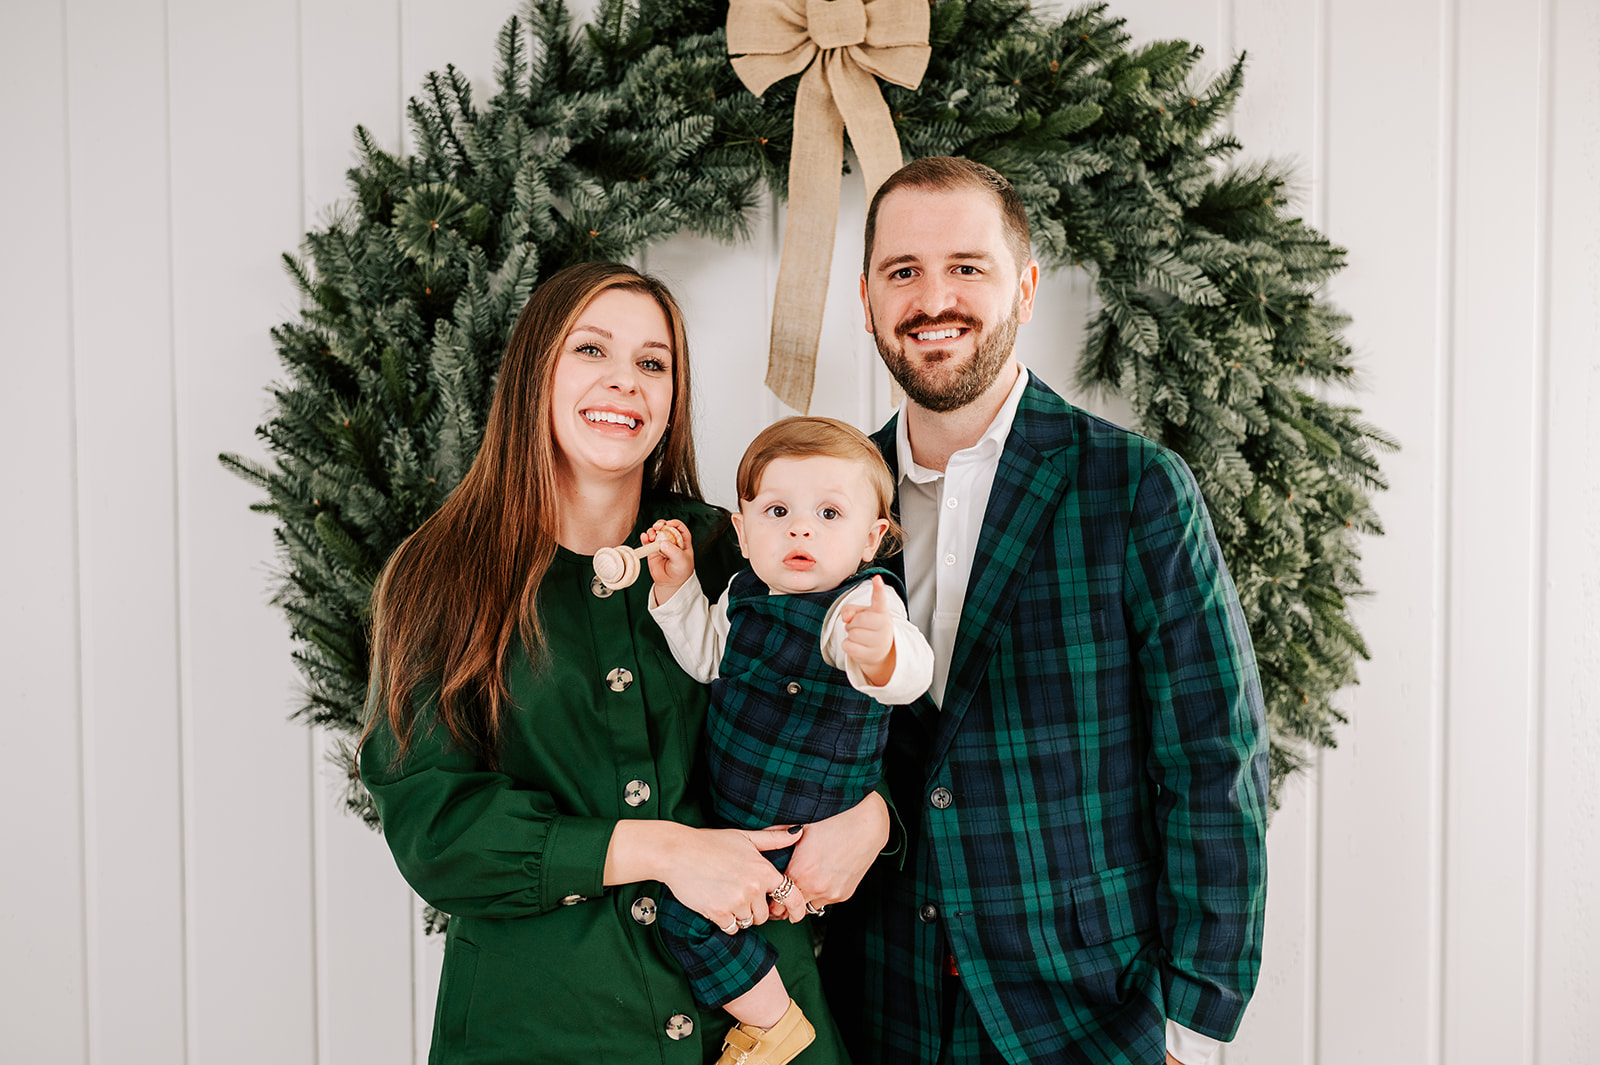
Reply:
x=606, y=334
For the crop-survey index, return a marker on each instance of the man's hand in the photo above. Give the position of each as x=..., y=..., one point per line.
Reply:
x=836, y=852
x=869, y=636
x=673, y=564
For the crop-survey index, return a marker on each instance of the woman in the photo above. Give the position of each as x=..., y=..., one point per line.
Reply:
x=531, y=739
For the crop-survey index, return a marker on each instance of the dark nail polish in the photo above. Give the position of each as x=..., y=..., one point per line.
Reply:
x=795, y=828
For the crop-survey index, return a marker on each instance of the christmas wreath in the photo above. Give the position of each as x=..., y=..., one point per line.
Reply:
x=604, y=138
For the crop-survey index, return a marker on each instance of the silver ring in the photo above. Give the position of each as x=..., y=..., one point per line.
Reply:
x=783, y=890
x=814, y=910
x=743, y=922
x=731, y=928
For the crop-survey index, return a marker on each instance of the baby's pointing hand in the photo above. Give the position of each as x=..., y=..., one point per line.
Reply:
x=869, y=635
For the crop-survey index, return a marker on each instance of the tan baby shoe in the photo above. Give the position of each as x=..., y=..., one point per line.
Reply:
x=748, y=1045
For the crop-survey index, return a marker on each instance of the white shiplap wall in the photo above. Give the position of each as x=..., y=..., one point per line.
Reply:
x=177, y=881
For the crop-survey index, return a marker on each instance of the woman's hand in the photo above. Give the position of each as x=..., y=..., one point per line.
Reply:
x=836, y=852
x=673, y=563
x=720, y=873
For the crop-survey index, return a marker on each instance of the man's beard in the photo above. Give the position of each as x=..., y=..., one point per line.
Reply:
x=969, y=381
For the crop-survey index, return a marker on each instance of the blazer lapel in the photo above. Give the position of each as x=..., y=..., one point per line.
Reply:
x=1027, y=489
x=1028, y=486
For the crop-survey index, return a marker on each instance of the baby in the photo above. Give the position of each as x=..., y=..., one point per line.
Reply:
x=805, y=654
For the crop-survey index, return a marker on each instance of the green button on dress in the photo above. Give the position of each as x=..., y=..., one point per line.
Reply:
x=542, y=964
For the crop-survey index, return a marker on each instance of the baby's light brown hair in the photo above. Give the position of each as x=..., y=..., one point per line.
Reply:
x=812, y=437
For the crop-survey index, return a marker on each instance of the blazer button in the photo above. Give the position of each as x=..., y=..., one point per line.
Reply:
x=636, y=793
x=941, y=798
x=793, y=687
x=620, y=679
x=598, y=588
x=929, y=913
x=679, y=1026
x=644, y=910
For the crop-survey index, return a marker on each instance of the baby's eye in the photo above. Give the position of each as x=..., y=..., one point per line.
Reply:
x=828, y=513
x=777, y=510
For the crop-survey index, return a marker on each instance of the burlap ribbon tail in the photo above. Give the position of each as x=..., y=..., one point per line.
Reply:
x=842, y=45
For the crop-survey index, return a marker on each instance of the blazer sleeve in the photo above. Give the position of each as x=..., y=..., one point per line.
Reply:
x=1197, y=677
x=471, y=841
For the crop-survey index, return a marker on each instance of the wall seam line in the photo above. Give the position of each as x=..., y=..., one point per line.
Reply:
x=1322, y=75
x=1538, y=651
x=76, y=519
x=1444, y=472
x=185, y=782
x=316, y=837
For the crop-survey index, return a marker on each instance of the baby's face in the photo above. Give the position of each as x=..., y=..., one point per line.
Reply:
x=813, y=521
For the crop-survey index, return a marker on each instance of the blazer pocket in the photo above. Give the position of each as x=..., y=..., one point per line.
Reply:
x=1118, y=902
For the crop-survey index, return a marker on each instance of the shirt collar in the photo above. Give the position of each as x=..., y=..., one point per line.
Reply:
x=987, y=448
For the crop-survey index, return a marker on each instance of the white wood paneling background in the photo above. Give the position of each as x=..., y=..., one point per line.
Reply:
x=179, y=885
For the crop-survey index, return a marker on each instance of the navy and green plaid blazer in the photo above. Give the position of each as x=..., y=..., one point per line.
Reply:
x=1085, y=817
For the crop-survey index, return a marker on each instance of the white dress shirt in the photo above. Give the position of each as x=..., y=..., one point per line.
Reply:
x=942, y=514
x=696, y=633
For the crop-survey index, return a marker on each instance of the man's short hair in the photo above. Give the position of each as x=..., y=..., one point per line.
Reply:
x=948, y=173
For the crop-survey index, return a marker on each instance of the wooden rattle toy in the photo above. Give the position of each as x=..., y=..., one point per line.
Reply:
x=618, y=567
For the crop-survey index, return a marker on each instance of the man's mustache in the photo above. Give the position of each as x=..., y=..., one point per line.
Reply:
x=922, y=323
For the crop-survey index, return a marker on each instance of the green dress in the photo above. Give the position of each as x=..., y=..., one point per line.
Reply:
x=543, y=964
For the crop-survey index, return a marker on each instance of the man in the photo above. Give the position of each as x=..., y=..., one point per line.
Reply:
x=1083, y=790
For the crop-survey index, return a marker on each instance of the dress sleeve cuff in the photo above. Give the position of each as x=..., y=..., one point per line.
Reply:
x=1189, y=1046
x=574, y=860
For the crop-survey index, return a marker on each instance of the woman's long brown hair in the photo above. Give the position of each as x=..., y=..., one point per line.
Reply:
x=460, y=589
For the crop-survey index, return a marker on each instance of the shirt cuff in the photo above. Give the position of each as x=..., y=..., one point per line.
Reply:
x=573, y=863
x=1189, y=1046
x=678, y=605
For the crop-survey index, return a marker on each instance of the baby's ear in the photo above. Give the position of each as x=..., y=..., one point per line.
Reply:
x=874, y=538
x=738, y=528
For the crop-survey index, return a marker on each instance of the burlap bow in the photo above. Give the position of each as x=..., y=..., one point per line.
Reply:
x=856, y=39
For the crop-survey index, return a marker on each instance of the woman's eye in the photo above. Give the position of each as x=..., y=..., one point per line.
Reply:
x=654, y=365
x=828, y=513
x=589, y=349
x=777, y=510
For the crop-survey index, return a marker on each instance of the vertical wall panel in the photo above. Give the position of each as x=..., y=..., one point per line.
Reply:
x=350, y=70
x=1202, y=22
x=1278, y=117
x=1377, y=949
x=236, y=196
x=122, y=328
x=463, y=34
x=726, y=296
x=1568, y=972
x=1493, y=471
x=42, y=1005
x=847, y=385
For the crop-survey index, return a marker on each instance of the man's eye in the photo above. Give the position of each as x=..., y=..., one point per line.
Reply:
x=968, y=270
x=901, y=274
x=828, y=513
x=777, y=510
